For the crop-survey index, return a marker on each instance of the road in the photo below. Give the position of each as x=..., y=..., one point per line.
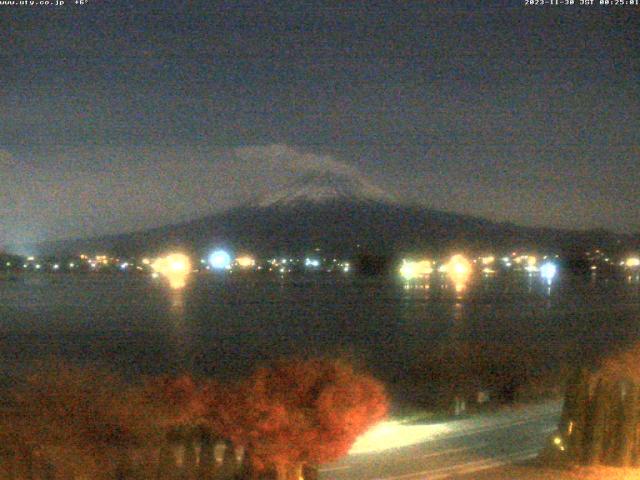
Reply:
x=451, y=450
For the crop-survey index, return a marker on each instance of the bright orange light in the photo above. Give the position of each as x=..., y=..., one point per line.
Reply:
x=245, y=261
x=175, y=268
x=632, y=262
x=459, y=270
x=410, y=269
x=488, y=260
x=424, y=267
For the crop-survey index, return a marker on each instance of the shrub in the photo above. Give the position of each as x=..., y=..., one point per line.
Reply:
x=84, y=421
x=298, y=413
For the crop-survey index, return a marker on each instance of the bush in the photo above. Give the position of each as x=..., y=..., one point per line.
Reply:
x=84, y=421
x=298, y=413
x=90, y=423
x=601, y=415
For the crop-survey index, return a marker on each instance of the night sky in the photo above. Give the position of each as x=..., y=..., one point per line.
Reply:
x=120, y=115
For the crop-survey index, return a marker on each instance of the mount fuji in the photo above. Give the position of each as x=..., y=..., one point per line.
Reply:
x=322, y=187
x=340, y=214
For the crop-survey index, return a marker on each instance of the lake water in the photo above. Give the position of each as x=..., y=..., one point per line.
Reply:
x=225, y=326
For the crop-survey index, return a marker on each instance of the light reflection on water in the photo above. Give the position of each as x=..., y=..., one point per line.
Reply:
x=176, y=300
x=223, y=326
x=180, y=333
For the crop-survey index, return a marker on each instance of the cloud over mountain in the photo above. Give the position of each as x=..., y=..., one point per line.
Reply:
x=301, y=176
x=77, y=192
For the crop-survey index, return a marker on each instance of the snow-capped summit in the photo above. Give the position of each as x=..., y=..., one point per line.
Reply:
x=322, y=187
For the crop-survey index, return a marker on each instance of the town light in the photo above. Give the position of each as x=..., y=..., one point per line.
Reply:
x=245, y=261
x=220, y=260
x=488, y=260
x=459, y=270
x=632, y=262
x=532, y=264
x=410, y=269
x=308, y=262
x=425, y=268
x=175, y=268
x=548, y=271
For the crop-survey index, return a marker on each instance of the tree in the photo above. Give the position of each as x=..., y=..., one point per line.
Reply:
x=573, y=421
x=83, y=421
x=175, y=401
x=629, y=427
x=601, y=418
x=298, y=413
x=597, y=423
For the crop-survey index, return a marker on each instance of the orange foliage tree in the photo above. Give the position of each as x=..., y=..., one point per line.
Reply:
x=87, y=422
x=298, y=413
x=175, y=401
x=83, y=420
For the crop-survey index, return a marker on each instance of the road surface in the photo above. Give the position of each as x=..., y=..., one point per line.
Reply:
x=450, y=450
